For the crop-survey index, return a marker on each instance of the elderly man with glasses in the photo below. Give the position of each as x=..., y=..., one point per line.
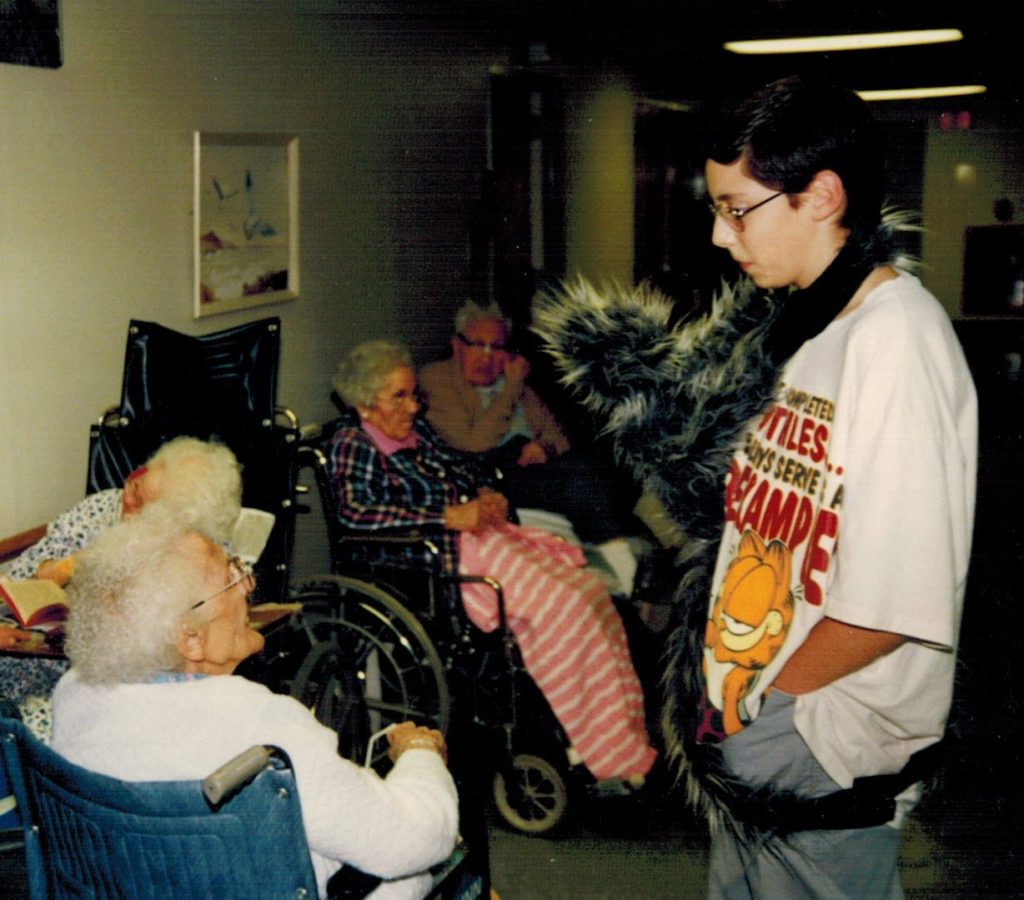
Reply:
x=479, y=402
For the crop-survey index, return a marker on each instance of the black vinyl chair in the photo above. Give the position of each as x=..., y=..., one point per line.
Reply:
x=237, y=834
x=220, y=386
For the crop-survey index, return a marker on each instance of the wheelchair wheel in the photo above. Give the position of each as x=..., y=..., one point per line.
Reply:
x=371, y=664
x=531, y=796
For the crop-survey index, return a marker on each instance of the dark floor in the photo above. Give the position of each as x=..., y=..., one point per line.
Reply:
x=963, y=841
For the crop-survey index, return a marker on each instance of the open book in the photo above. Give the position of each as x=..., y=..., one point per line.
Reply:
x=34, y=601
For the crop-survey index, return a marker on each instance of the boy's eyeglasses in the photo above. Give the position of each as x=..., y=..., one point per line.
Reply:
x=734, y=217
x=240, y=571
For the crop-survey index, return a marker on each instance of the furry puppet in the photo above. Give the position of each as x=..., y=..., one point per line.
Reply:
x=676, y=397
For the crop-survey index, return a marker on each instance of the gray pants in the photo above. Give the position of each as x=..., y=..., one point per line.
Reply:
x=856, y=864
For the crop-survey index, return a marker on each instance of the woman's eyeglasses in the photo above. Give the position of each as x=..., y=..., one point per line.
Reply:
x=397, y=401
x=734, y=217
x=240, y=571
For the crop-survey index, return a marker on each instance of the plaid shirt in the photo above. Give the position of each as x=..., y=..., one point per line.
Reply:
x=408, y=489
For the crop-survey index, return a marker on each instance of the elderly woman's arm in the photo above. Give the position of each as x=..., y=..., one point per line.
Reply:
x=69, y=532
x=390, y=827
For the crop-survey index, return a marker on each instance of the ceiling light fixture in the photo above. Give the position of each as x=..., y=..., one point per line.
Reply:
x=923, y=93
x=826, y=43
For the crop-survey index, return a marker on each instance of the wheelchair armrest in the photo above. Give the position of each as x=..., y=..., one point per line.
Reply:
x=288, y=417
x=14, y=545
x=235, y=773
x=378, y=537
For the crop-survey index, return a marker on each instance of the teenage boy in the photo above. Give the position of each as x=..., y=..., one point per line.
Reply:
x=814, y=439
x=873, y=439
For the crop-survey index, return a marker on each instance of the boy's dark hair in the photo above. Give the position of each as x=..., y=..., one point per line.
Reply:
x=791, y=129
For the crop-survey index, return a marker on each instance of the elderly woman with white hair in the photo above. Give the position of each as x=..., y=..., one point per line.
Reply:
x=391, y=470
x=158, y=625
x=202, y=480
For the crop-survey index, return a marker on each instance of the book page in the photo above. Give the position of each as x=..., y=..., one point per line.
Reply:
x=34, y=601
x=250, y=532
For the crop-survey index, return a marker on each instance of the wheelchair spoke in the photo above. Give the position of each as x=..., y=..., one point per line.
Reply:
x=371, y=663
x=531, y=794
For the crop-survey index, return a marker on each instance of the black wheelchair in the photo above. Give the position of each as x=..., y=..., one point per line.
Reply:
x=368, y=643
x=388, y=642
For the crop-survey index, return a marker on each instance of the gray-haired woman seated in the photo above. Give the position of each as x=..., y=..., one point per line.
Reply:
x=392, y=471
x=158, y=624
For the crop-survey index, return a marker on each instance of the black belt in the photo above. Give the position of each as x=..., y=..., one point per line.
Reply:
x=869, y=802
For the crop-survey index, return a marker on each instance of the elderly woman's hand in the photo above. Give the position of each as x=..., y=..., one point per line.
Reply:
x=469, y=516
x=11, y=635
x=488, y=510
x=493, y=507
x=410, y=736
x=58, y=570
x=532, y=454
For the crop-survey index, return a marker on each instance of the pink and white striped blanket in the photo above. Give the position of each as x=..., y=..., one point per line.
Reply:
x=571, y=638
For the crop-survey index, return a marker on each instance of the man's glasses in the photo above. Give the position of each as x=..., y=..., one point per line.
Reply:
x=240, y=571
x=734, y=217
x=482, y=346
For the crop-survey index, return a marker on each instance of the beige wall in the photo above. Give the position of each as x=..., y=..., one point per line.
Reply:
x=965, y=173
x=602, y=184
x=96, y=196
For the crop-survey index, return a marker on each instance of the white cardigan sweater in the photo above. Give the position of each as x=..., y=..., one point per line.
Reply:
x=393, y=827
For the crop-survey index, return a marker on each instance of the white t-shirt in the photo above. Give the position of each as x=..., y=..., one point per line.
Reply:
x=853, y=498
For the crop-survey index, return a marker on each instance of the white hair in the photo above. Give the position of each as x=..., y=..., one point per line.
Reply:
x=203, y=482
x=361, y=374
x=133, y=590
x=471, y=311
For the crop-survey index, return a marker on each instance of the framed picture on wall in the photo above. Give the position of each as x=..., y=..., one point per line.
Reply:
x=246, y=218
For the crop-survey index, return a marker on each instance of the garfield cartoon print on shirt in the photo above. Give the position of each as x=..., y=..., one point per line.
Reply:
x=783, y=496
x=750, y=619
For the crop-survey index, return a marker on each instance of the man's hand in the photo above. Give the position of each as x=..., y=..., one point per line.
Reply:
x=517, y=367
x=532, y=454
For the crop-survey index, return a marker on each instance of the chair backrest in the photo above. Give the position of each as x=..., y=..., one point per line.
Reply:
x=220, y=386
x=87, y=835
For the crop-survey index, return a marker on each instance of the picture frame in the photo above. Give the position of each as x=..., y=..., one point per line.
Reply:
x=246, y=221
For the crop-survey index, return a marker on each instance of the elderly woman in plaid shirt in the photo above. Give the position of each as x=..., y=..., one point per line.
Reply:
x=392, y=471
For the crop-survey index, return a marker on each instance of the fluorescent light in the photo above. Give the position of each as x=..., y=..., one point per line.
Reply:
x=923, y=93
x=825, y=43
